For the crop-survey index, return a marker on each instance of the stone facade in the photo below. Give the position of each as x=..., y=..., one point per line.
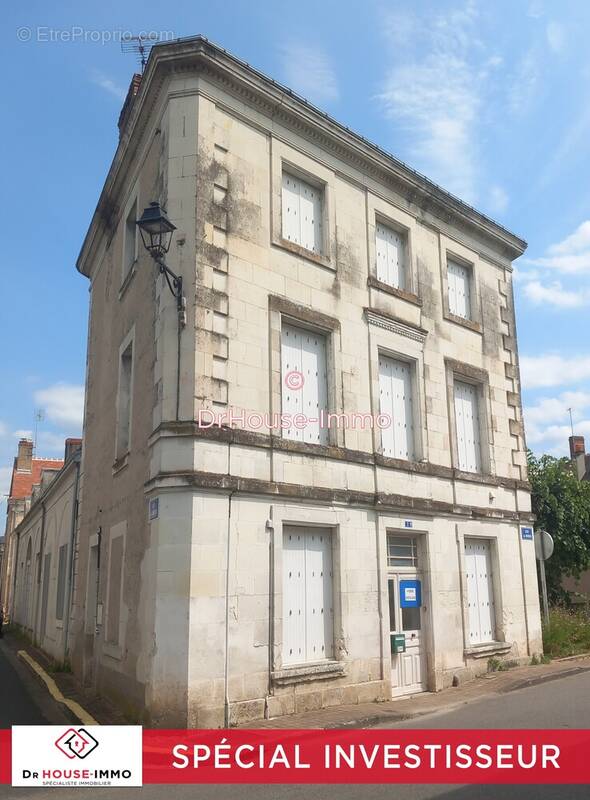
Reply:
x=179, y=611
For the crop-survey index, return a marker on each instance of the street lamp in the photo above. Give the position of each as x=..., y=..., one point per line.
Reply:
x=156, y=234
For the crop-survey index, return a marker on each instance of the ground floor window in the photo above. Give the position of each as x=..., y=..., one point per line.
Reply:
x=480, y=591
x=307, y=595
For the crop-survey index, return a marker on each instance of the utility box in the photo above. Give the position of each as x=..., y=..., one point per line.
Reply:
x=398, y=643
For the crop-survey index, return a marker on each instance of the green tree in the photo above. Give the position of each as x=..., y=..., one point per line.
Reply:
x=561, y=504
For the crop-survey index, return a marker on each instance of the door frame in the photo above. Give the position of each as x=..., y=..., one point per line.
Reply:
x=421, y=529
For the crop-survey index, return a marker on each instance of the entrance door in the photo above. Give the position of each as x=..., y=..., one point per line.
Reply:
x=408, y=669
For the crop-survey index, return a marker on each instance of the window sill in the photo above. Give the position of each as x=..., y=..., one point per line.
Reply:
x=409, y=297
x=113, y=651
x=120, y=463
x=308, y=672
x=127, y=280
x=488, y=649
x=296, y=249
x=465, y=323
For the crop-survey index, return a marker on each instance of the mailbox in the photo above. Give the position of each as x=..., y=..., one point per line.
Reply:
x=398, y=643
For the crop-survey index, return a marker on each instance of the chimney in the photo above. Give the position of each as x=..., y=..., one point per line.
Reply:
x=24, y=459
x=128, y=104
x=72, y=447
x=578, y=454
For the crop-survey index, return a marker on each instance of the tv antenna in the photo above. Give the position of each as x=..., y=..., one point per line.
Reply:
x=571, y=421
x=140, y=46
x=39, y=417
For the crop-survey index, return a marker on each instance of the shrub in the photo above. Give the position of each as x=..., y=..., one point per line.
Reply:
x=566, y=633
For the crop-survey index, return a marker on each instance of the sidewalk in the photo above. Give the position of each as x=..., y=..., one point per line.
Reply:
x=363, y=715
x=366, y=715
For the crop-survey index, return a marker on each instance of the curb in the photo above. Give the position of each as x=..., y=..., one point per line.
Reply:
x=81, y=714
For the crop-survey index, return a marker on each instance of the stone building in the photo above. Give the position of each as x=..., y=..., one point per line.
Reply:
x=29, y=474
x=45, y=548
x=234, y=564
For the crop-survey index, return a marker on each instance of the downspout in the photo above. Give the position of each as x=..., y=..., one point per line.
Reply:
x=271, y=607
x=12, y=610
x=226, y=706
x=40, y=570
x=67, y=608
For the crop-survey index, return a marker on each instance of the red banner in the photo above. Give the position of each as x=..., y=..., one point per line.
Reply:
x=355, y=756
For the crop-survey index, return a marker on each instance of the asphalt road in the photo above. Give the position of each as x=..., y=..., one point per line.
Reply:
x=563, y=703
x=19, y=704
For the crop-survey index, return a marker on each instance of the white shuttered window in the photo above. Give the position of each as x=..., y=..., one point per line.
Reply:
x=467, y=426
x=391, y=248
x=395, y=397
x=307, y=595
x=459, y=282
x=480, y=591
x=302, y=213
x=304, y=382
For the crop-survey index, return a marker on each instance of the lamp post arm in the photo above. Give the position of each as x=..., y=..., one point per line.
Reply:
x=175, y=287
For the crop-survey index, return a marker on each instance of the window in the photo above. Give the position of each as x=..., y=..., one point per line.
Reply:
x=307, y=595
x=459, y=282
x=302, y=213
x=61, y=581
x=124, y=400
x=402, y=551
x=480, y=591
x=304, y=383
x=114, y=596
x=467, y=426
x=391, y=250
x=130, y=235
x=395, y=398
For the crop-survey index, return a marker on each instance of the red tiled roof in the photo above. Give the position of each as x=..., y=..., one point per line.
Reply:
x=23, y=482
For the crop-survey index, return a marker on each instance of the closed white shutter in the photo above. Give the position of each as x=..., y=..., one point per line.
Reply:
x=480, y=591
x=304, y=352
x=294, y=596
x=395, y=393
x=302, y=213
x=391, y=256
x=459, y=283
x=467, y=425
x=307, y=595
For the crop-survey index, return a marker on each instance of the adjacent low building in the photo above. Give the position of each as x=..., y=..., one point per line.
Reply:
x=29, y=474
x=242, y=553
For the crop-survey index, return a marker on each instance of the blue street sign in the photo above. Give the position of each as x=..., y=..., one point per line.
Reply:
x=526, y=533
x=408, y=523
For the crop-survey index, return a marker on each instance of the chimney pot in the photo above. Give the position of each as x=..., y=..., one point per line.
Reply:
x=577, y=446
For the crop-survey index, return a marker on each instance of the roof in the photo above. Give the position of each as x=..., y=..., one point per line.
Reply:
x=22, y=483
x=197, y=52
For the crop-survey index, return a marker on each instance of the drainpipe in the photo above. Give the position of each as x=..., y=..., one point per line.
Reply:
x=271, y=607
x=40, y=570
x=226, y=707
x=12, y=600
x=71, y=556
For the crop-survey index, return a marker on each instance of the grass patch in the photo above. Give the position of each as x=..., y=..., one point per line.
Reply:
x=566, y=633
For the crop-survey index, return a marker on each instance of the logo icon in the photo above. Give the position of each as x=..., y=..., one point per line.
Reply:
x=294, y=380
x=76, y=743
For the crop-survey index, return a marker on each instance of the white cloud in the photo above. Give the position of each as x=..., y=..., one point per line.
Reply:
x=570, y=255
x=498, y=200
x=5, y=478
x=3, y=429
x=554, y=295
x=556, y=37
x=547, y=422
x=522, y=90
x=436, y=99
x=553, y=370
x=50, y=444
x=63, y=404
x=22, y=434
x=106, y=83
x=309, y=72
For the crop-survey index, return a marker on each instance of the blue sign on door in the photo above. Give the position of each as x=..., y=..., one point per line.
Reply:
x=526, y=533
x=410, y=594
